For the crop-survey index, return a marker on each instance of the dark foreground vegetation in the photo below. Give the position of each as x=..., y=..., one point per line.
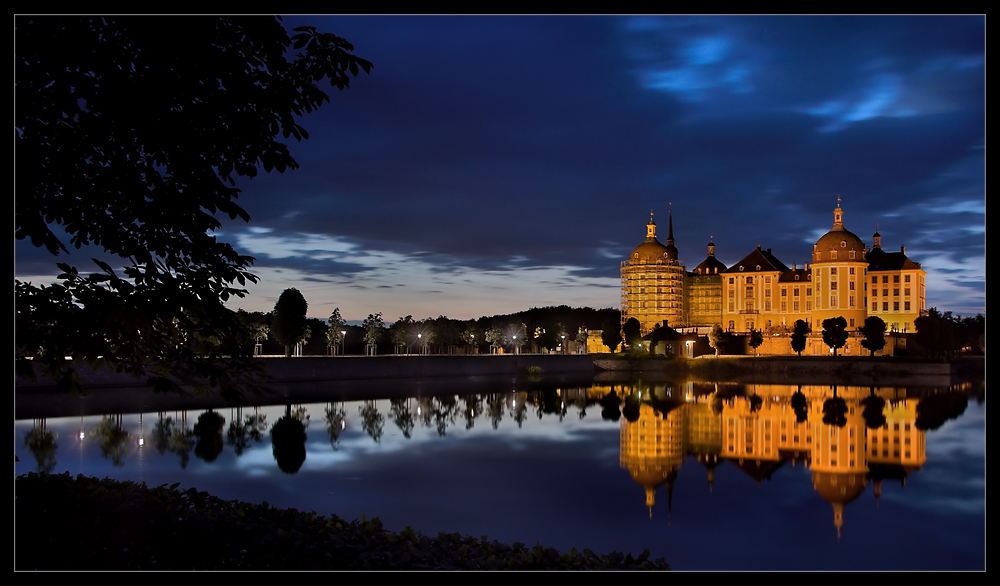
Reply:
x=66, y=523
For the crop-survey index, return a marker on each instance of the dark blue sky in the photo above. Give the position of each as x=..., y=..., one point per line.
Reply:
x=489, y=164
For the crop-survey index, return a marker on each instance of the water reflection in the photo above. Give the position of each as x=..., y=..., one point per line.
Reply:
x=848, y=438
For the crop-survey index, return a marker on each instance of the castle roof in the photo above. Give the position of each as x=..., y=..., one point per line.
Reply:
x=758, y=261
x=880, y=260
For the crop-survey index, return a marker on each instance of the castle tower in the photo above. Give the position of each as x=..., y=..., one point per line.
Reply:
x=652, y=281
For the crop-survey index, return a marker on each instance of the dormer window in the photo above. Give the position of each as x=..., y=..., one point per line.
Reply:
x=843, y=244
x=758, y=267
x=796, y=277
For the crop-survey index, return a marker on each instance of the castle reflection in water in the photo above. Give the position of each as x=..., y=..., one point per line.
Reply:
x=869, y=435
x=849, y=437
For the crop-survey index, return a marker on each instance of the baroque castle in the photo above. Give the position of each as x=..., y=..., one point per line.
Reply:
x=845, y=278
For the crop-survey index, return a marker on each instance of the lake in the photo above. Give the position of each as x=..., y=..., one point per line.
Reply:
x=707, y=476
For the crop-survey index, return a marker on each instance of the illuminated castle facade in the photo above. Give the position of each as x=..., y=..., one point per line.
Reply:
x=844, y=279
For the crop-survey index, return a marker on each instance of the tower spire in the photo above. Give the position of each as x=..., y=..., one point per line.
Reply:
x=670, y=228
x=838, y=216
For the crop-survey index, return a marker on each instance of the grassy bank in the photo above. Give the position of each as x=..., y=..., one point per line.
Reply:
x=66, y=523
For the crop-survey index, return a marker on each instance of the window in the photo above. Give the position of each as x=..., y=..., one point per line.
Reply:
x=749, y=280
x=906, y=305
x=784, y=292
x=906, y=291
x=833, y=271
x=833, y=301
x=885, y=306
x=885, y=292
x=895, y=292
x=851, y=303
x=809, y=291
x=808, y=305
x=795, y=292
x=833, y=286
x=885, y=278
x=851, y=286
x=731, y=280
x=895, y=278
x=851, y=270
x=895, y=306
x=874, y=280
x=833, y=255
x=906, y=278
x=795, y=306
x=874, y=306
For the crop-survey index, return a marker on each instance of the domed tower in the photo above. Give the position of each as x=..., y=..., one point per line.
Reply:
x=839, y=276
x=652, y=281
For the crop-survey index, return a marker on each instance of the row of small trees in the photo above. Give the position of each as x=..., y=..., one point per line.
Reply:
x=289, y=326
x=835, y=335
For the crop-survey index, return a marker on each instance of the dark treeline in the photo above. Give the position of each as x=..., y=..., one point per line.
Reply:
x=538, y=329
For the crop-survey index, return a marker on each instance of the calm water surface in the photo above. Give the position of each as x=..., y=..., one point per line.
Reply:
x=709, y=477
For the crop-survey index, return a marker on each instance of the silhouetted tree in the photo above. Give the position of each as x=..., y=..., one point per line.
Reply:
x=128, y=134
x=208, y=430
x=632, y=331
x=288, y=442
x=874, y=334
x=290, y=324
x=799, y=332
x=835, y=333
x=756, y=339
x=611, y=335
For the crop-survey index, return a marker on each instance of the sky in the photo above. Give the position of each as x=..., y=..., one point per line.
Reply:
x=490, y=164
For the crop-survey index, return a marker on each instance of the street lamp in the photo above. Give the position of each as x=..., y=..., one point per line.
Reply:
x=343, y=342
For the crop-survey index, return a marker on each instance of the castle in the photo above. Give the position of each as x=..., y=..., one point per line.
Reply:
x=845, y=278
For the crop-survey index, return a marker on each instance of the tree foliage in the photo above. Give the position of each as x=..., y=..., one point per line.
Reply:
x=717, y=338
x=290, y=322
x=874, y=334
x=129, y=133
x=941, y=335
x=374, y=328
x=835, y=333
x=333, y=333
x=756, y=339
x=799, y=332
x=632, y=331
x=611, y=334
